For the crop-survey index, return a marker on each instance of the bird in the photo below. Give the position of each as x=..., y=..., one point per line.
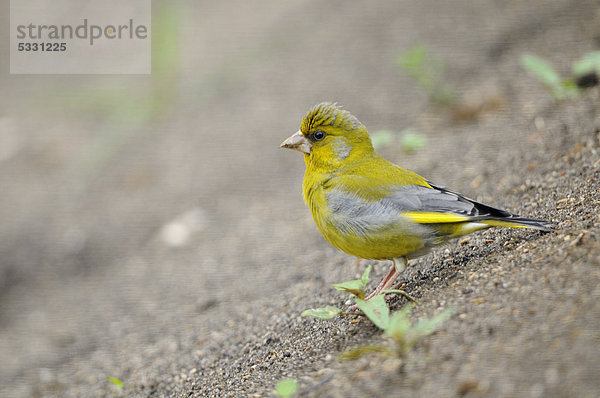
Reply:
x=371, y=208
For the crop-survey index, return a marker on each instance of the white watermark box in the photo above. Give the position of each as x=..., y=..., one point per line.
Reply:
x=80, y=37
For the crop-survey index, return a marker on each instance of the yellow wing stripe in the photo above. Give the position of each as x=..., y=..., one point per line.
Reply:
x=434, y=218
x=448, y=218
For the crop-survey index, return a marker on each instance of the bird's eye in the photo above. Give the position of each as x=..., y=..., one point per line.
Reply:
x=319, y=135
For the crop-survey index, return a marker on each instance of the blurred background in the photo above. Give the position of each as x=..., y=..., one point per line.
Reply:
x=130, y=204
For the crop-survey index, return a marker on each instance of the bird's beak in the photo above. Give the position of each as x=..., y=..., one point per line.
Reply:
x=297, y=142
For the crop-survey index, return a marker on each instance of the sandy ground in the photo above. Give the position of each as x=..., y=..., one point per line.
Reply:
x=174, y=252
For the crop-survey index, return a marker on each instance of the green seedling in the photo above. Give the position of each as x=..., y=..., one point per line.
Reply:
x=382, y=138
x=402, y=333
x=117, y=384
x=356, y=287
x=396, y=326
x=405, y=335
x=586, y=70
x=286, y=387
x=559, y=88
x=585, y=73
x=326, y=313
x=374, y=306
x=590, y=62
x=429, y=74
x=410, y=139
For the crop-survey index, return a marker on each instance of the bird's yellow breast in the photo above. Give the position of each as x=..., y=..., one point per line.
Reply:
x=366, y=231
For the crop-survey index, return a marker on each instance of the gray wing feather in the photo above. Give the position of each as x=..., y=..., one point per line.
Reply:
x=350, y=212
x=436, y=199
x=440, y=199
x=418, y=198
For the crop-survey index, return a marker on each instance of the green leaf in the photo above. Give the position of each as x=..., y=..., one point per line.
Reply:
x=541, y=69
x=413, y=60
x=399, y=324
x=118, y=384
x=405, y=334
x=376, y=310
x=326, y=313
x=166, y=58
x=589, y=63
x=429, y=73
x=411, y=140
x=546, y=74
x=365, y=277
x=286, y=387
x=356, y=287
x=382, y=138
x=425, y=327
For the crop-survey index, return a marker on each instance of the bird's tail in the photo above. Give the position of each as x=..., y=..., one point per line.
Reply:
x=520, y=222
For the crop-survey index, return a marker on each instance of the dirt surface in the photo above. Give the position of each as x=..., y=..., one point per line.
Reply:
x=174, y=252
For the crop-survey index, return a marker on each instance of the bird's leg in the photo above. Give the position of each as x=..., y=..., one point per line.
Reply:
x=390, y=278
x=385, y=283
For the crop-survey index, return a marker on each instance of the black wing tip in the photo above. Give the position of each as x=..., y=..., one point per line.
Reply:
x=540, y=225
x=482, y=211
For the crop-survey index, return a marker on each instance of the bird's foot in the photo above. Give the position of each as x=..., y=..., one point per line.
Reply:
x=389, y=294
x=386, y=284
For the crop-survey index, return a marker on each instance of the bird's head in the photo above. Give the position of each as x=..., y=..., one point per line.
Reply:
x=328, y=135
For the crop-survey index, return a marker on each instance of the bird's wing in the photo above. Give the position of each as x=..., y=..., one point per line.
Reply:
x=423, y=204
x=436, y=204
x=365, y=206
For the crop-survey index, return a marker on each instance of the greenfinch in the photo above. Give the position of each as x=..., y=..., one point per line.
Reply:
x=371, y=208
